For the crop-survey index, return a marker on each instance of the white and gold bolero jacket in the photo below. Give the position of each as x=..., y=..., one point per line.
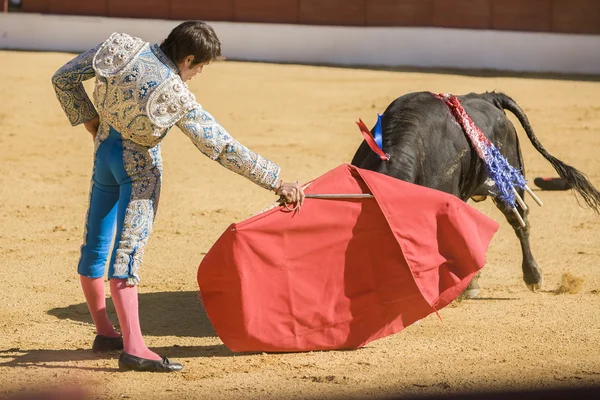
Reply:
x=139, y=93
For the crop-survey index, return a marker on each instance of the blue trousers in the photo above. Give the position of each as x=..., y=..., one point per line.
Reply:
x=123, y=201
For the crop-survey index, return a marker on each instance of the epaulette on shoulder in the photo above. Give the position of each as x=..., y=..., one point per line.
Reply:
x=170, y=102
x=115, y=53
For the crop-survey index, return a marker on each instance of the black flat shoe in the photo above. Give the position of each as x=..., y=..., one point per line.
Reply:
x=127, y=362
x=104, y=344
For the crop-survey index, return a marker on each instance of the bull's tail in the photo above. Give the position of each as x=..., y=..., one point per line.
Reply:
x=579, y=182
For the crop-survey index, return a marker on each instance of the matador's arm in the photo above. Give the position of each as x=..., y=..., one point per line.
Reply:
x=67, y=82
x=218, y=145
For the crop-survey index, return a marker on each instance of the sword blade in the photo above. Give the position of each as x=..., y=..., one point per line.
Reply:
x=339, y=196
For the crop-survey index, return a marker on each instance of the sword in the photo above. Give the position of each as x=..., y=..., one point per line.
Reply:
x=335, y=196
x=339, y=196
x=326, y=196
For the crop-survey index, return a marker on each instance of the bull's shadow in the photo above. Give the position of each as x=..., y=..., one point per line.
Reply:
x=161, y=314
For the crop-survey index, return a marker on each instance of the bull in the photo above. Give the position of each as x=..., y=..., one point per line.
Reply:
x=427, y=147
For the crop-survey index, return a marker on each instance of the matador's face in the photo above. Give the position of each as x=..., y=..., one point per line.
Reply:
x=187, y=70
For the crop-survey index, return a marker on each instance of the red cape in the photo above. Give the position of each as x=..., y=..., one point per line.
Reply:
x=342, y=272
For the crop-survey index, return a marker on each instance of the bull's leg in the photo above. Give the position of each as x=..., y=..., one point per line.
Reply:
x=480, y=194
x=532, y=274
x=473, y=289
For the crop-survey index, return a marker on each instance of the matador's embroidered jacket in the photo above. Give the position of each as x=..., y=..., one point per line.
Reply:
x=139, y=93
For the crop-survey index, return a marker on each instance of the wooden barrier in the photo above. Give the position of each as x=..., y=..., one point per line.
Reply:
x=519, y=15
x=399, y=13
x=138, y=8
x=560, y=16
x=267, y=11
x=576, y=16
x=333, y=45
x=208, y=10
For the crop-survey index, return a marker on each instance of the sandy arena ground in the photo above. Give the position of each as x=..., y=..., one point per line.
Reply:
x=302, y=118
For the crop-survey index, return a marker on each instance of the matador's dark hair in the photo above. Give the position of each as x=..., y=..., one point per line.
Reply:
x=195, y=38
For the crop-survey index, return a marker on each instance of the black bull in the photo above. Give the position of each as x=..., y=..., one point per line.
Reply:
x=429, y=148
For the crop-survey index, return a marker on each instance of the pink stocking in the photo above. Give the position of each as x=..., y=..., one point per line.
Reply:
x=93, y=290
x=126, y=302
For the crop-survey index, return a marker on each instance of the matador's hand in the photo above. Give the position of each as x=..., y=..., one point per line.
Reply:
x=291, y=192
x=92, y=126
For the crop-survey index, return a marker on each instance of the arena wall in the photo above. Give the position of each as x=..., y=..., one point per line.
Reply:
x=318, y=44
x=559, y=16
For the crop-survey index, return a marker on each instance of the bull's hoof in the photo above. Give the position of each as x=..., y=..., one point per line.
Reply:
x=535, y=287
x=473, y=289
x=478, y=199
x=471, y=293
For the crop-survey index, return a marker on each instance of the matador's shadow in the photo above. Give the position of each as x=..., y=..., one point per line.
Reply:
x=161, y=314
